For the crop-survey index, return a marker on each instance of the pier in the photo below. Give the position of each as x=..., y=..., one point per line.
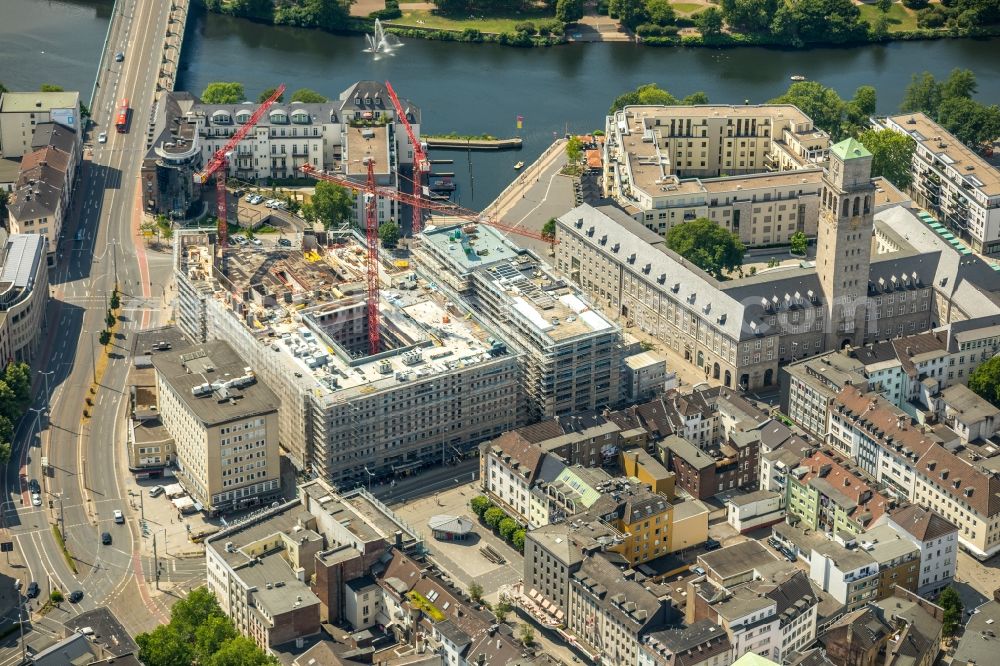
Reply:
x=442, y=143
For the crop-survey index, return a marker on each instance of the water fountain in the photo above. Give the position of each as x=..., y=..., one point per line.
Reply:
x=380, y=41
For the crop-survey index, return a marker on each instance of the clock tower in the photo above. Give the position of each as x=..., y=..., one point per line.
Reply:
x=844, y=240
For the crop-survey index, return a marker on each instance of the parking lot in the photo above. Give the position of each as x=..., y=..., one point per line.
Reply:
x=462, y=560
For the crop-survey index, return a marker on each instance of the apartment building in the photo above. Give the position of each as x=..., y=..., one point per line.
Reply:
x=337, y=136
x=827, y=493
x=703, y=643
x=880, y=437
x=570, y=355
x=761, y=508
x=859, y=638
x=610, y=612
x=953, y=182
x=665, y=165
x=898, y=559
x=937, y=540
x=644, y=519
x=521, y=476
x=40, y=197
x=919, y=624
x=849, y=575
x=445, y=377
x=704, y=474
x=968, y=415
x=21, y=113
x=224, y=422
x=809, y=386
x=24, y=295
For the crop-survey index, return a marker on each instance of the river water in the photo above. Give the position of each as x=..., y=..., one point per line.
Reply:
x=475, y=88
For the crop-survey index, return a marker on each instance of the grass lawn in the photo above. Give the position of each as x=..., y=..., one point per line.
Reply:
x=900, y=18
x=424, y=19
x=687, y=7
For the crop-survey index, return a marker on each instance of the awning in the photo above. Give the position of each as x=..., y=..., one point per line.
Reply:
x=173, y=490
x=183, y=503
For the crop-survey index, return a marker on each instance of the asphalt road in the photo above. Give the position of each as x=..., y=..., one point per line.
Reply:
x=99, y=245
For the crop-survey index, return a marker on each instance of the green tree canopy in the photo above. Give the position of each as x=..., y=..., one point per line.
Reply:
x=222, y=92
x=332, y=204
x=240, y=651
x=649, y=93
x=49, y=87
x=799, y=242
x=952, y=605
x=549, y=229
x=574, y=149
x=826, y=108
x=985, y=381
x=749, y=16
x=307, y=96
x=630, y=12
x=695, y=98
x=388, y=233
x=475, y=591
x=892, y=155
x=972, y=123
x=707, y=245
x=923, y=94
x=812, y=21
x=569, y=11
x=660, y=12
x=493, y=517
x=479, y=504
x=265, y=95
x=709, y=22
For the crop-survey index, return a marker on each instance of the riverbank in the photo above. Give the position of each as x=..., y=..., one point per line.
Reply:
x=545, y=31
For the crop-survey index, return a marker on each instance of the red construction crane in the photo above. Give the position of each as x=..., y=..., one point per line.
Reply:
x=421, y=165
x=444, y=208
x=371, y=235
x=217, y=166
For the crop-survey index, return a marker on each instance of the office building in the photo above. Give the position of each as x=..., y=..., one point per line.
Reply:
x=937, y=540
x=21, y=113
x=24, y=295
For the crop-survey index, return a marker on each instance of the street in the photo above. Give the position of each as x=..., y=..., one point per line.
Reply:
x=98, y=251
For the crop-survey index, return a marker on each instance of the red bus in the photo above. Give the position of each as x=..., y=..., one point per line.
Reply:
x=121, y=122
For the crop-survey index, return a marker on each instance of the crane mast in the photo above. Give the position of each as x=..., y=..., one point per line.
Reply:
x=421, y=164
x=371, y=235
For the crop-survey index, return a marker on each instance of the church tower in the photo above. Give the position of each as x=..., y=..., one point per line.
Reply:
x=843, y=244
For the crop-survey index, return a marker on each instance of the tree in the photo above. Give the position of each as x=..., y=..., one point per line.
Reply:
x=952, y=605
x=475, y=591
x=18, y=377
x=574, y=149
x=526, y=634
x=569, y=11
x=749, y=16
x=104, y=338
x=501, y=609
x=923, y=94
x=630, y=12
x=799, y=242
x=707, y=245
x=709, y=22
x=116, y=300
x=211, y=635
x=222, y=92
x=960, y=83
x=517, y=540
x=660, y=12
x=5, y=452
x=388, y=233
x=480, y=504
x=307, y=96
x=241, y=651
x=695, y=98
x=549, y=229
x=3, y=88
x=165, y=646
x=493, y=517
x=810, y=21
x=972, y=123
x=48, y=87
x=892, y=155
x=883, y=5
x=865, y=100
x=985, y=381
x=264, y=96
x=332, y=204
x=648, y=94
x=507, y=528
x=56, y=596
x=819, y=102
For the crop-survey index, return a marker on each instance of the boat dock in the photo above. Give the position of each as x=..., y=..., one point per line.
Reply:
x=473, y=144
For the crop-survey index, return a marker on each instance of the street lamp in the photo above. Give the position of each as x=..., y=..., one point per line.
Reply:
x=46, y=375
x=20, y=617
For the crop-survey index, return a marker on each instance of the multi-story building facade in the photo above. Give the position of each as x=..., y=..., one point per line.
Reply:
x=826, y=493
x=570, y=355
x=224, y=423
x=703, y=643
x=897, y=557
x=24, y=295
x=810, y=385
x=953, y=182
x=849, y=575
x=22, y=112
x=937, y=540
x=446, y=379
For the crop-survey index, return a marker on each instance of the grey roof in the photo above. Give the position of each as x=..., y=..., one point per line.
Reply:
x=755, y=496
x=21, y=256
x=271, y=569
x=30, y=101
x=450, y=630
x=693, y=644
x=603, y=579
x=55, y=135
x=736, y=559
x=211, y=363
x=976, y=645
x=32, y=201
x=968, y=404
x=688, y=452
x=845, y=559
x=888, y=545
x=108, y=631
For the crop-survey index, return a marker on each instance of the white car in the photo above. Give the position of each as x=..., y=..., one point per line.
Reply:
x=102, y=137
x=36, y=499
x=119, y=517
x=256, y=241
x=249, y=197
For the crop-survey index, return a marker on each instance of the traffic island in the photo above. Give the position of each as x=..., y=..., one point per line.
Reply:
x=70, y=562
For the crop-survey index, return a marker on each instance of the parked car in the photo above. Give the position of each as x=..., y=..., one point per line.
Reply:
x=256, y=241
x=119, y=516
x=119, y=56
x=36, y=499
x=33, y=486
x=270, y=203
x=698, y=570
x=106, y=538
x=712, y=544
x=249, y=197
x=284, y=242
x=32, y=591
x=156, y=491
x=102, y=137
x=75, y=596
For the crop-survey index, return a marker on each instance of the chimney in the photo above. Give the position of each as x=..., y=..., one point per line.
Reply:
x=399, y=540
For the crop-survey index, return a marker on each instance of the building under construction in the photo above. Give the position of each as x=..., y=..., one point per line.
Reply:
x=441, y=382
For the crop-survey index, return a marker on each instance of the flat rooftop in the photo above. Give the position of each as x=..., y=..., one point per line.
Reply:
x=214, y=382
x=34, y=102
x=468, y=246
x=364, y=143
x=736, y=560
x=974, y=170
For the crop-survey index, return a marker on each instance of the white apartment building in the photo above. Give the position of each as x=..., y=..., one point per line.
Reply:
x=655, y=158
x=22, y=112
x=24, y=295
x=224, y=424
x=849, y=576
x=937, y=540
x=953, y=182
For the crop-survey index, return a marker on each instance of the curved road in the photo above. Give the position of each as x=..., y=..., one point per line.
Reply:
x=82, y=488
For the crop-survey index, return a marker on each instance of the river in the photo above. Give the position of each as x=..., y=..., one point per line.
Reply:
x=478, y=88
